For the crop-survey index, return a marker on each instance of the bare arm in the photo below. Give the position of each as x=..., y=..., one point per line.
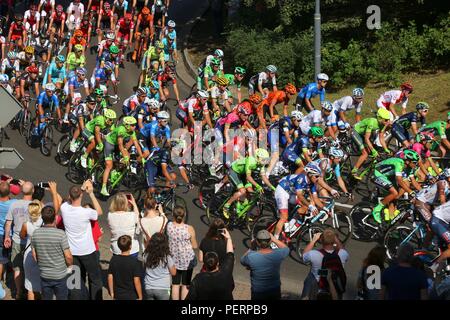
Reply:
x=193, y=238
x=138, y=287
x=68, y=257
x=111, y=285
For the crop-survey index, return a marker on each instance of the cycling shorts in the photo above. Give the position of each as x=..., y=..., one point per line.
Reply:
x=400, y=133
x=289, y=158
x=108, y=150
x=357, y=139
x=87, y=135
x=300, y=104
x=153, y=171
x=124, y=36
x=383, y=182
x=237, y=180
x=283, y=198
x=15, y=37
x=441, y=228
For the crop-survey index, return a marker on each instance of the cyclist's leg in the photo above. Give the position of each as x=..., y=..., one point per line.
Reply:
x=384, y=183
x=282, y=200
x=359, y=142
x=108, y=152
x=401, y=135
x=237, y=182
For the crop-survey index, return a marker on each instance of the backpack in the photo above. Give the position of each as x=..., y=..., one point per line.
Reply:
x=332, y=261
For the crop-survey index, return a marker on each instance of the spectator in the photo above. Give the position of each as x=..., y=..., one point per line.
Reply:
x=264, y=264
x=154, y=220
x=441, y=288
x=182, y=242
x=402, y=281
x=376, y=257
x=97, y=231
x=51, y=251
x=31, y=268
x=122, y=221
x=216, y=283
x=214, y=241
x=16, y=217
x=5, y=203
x=331, y=246
x=159, y=266
x=77, y=223
x=124, y=274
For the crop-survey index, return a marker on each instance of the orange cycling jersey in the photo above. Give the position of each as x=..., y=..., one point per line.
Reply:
x=247, y=105
x=145, y=22
x=279, y=96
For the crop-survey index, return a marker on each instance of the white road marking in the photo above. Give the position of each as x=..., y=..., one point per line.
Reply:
x=344, y=205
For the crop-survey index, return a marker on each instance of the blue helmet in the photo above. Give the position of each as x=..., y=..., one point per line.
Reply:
x=313, y=169
x=154, y=85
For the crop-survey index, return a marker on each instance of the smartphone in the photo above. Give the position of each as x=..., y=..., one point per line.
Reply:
x=129, y=197
x=15, y=181
x=43, y=185
x=323, y=272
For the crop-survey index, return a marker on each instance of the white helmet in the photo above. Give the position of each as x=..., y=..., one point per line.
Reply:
x=153, y=103
x=327, y=105
x=271, y=68
x=4, y=78
x=163, y=115
x=297, y=115
x=218, y=53
x=171, y=24
x=110, y=36
x=250, y=133
x=50, y=87
x=336, y=152
x=202, y=94
x=313, y=169
x=322, y=76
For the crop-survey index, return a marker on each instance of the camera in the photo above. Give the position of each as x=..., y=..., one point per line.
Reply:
x=43, y=185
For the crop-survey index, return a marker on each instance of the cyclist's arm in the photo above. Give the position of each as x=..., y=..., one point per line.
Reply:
x=316, y=201
x=63, y=22
x=36, y=88
x=324, y=185
x=305, y=152
x=98, y=135
x=402, y=184
x=81, y=122
x=98, y=20
x=382, y=141
x=50, y=24
x=272, y=105
x=161, y=91
x=138, y=147
x=166, y=173
x=250, y=179
x=414, y=128
x=301, y=198
x=415, y=184
x=391, y=108
x=22, y=87
x=207, y=119
x=175, y=89
x=226, y=130
x=267, y=181
x=122, y=148
x=433, y=165
x=131, y=35
x=153, y=141
x=369, y=144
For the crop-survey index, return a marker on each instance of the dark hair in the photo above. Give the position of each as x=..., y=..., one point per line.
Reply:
x=124, y=243
x=263, y=244
x=4, y=189
x=38, y=193
x=178, y=213
x=213, y=231
x=75, y=192
x=405, y=253
x=149, y=202
x=157, y=251
x=48, y=214
x=376, y=256
x=211, y=260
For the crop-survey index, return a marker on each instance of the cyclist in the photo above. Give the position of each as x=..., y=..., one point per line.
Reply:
x=195, y=109
x=364, y=133
x=110, y=56
x=153, y=90
x=56, y=25
x=81, y=113
x=440, y=225
x=153, y=58
x=144, y=113
x=93, y=133
x=159, y=12
x=170, y=48
x=75, y=13
x=120, y=8
x=235, y=80
x=10, y=65
x=219, y=97
x=73, y=85
x=109, y=40
x=124, y=30
x=130, y=104
x=47, y=102
x=159, y=165
x=409, y=120
x=77, y=39
x=292, y=189
x=440, y=129
x=302, y=149
x=310, y=91
x=17, y=32
x=391, y=174
x=56, y=73
x=267, y=106
x=101, y=77
x=31, y=21
x=433, y=196
x=170, y=30
x=423, y=146
x=144, y=24
x=344, y=104
x=263, y=81
x=86, y=29
x=26, y=58
x=217, y=54
x=115, y=139
x=26, y=81
x=287, y=128
x=100, y=101
x=207, y=77
x=164, y=79
x=251, y=104
x=232, y=121
x=394, y=97
x=240, y=171
x=105, y=20
x=46, y=9
x=317, y=118
x=75, y=59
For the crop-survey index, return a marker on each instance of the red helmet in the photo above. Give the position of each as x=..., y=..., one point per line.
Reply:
x=59, y=8
x=290, y=88
x=406, y=86
x=32, y=69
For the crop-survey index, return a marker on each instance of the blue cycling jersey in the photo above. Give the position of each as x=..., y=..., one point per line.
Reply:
x=405, y=120
x=283, y=125
x=153, y=130
x=100, y=75
x=46, y=101
x=55, y=73
x=73, y=81
x=297, y=182
x=329, y=166
x=106, y=56
x=298, y=144
x=153, y=96
x=310, y=91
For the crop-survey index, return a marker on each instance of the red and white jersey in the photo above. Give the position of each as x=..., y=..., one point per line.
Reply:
x=77, y=9
x=59, y=18
x=30, y=18
x=123, y=27
x=46, y=5
x=394, y=96
x=105, y=14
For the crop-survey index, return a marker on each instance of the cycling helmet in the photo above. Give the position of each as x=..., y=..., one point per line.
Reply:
x=322, y=76
x=239, y=70
x=171, y=24
x=222, y=81
x=297, y=115
x=215, y=62
x=78, y=48
x=109, y=66
x=110, y=114
x=60, y=58
x=164, y=115
x=316, y=132
x=290, y=88
x=170, y=65
x=78, y=33
x=262, y=155
x=81, y=71
x=326, y=105
x=98, y=92
x=425, y=136
x=4, y=78
x=153, y=104
x=59, y=8
x=358, y=93
x=141, y=91
x=32, y=69
x=446, y=172
x=90, y=98
x=159, y=45
x=406, y=86
x=313, y=169
x=336, y=152
x=154, y=85
x=12, y=55
x=271, y=68
x=18, y=17
x=202, y=94
x=411, y=155
x=422, y=106
x=218, y=53
x=110, y=36
x=50, y=86
x=128, y=121
x=29, y=49
x=114, y=49
x=145, y=10
x=106, y=5
x=243, y=110
x=383, y=114
x=255, y=98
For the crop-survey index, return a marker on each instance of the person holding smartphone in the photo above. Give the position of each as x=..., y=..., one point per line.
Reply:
x=214, y=241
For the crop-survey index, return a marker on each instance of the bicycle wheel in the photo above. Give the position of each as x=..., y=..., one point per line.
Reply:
x=207, y=190
x=265, y=209
x=63, y=153
x=264, y=222
x=342, y=223
x=47, y=141
x=25, y=122
x=304, y=237
x=75, y=172
x=365, y=228
x=170, y=205
x=397, y=236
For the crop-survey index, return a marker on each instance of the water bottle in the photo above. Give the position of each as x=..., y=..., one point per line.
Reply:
x=290, y=225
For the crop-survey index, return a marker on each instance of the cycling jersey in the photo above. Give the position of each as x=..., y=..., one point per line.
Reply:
x=119, y=132
x=282, y=126
x=247, y=105
x=100, y=75
x=48, y=102
x=73, y=81
x=107, y=57
x=207, y=63
x=73, y=62
x=392, y=167
x=144, y=22
x=124, y=28
x=209, y=72
x=153, y=54
x=84, y=27
x=310, y=91
x=392, y=97
x=74, y=41
x=191, y=105
x=246, y=165
x=28, y=81
x=105, y=15
x=120, y=7
x=345, y=104
x=421, y=150
x=279, y=96
x=165, y=78
x=232, y=81
x=98, y=121
x=367, y=125
x=297, y=182
x=232, y=119
x=312, y=119
x=30, y=18
x=328, y=167
x=168, y=48
x=443, y=213
x=152, y=129
x=77, y=9
x=405, y=120
x=220, y=96
x=56, y=74
x=294, y=151
x=58, y=18
x=262, y=79
x=437, y=127
x=10, y=69
x=430, y=195
x=81, y=110
x=46, y=5
x=16, y=30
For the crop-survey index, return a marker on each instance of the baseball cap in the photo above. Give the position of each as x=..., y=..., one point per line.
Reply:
x=263, y=235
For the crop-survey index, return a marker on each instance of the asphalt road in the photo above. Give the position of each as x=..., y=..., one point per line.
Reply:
x=37, y=168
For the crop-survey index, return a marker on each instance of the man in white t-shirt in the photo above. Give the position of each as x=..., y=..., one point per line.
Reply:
x=77, y=223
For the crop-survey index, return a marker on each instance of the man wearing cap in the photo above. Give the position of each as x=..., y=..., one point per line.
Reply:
x=264, y=265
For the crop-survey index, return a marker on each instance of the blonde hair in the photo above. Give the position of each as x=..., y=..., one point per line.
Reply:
x=34, y=210
x=119, y=203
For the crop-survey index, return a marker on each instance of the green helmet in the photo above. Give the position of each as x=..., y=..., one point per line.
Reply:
x=98, y=92
x=316, y=132
x=128, y=121
x=110, y=114
x=411, y=155
x=215, y=62
x=114, y=49
x=239, y=70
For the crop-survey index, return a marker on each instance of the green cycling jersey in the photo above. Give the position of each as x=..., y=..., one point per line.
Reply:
x=367, y=125
x=232, y=81
x=99, y=121
x=438, y=128
x=246, y=165
x=392, y=167
x=119, y=132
